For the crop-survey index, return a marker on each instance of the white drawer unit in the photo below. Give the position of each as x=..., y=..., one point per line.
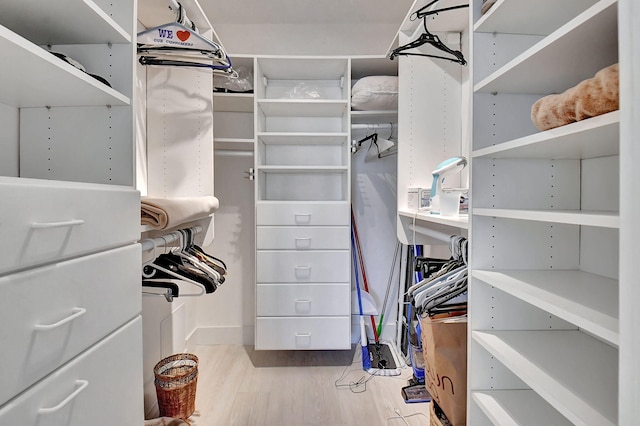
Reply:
x=44, y=221
x=57, y=311
x=303, y=213
x=303, y=333
x=303, y=299
x=86, y=391
x=302, y=194
x=302, y=238
x=302, y=266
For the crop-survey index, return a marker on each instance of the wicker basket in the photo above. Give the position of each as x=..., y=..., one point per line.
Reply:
x=176, y=378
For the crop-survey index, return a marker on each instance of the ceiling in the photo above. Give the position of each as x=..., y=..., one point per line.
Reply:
x=306, y=27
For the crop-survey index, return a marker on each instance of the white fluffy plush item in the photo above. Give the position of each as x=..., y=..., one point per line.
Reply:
x=589, y=98
x=375, y=93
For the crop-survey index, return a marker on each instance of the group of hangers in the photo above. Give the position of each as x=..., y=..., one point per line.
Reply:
x=186, y=265
x=380, y=152
x=428, y=38
x=444, y=291
x=178, y=44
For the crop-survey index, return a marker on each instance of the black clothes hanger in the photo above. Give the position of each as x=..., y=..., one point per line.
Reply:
x=420, y=13
x=427, y=38
x=169, y=266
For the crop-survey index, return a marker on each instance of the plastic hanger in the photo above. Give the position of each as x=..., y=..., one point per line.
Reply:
x=420, y=13
x=427, y=38
x=165, y=44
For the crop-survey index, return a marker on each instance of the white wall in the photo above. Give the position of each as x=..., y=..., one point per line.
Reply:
x=373, y=189
x=228, y=315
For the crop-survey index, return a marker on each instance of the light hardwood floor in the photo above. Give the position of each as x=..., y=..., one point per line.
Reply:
x=238, y=386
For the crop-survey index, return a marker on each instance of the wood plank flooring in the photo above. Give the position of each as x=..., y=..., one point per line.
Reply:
x=238, y=386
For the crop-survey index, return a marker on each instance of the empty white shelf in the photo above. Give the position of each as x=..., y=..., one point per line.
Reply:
x=590, y=138
x=302, y=108
x=527, y=17
x=589, y=301
x=569, y=55
x=62, y=22
x=572, y=217
x=575, y=373
x=274, y=138
x=517, y=407
x=233, y=144
x=36, y=78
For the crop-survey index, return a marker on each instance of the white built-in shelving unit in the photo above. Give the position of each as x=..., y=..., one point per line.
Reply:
x=545, y=226
x=70, y=209
x=302, y=177
x=233, y=115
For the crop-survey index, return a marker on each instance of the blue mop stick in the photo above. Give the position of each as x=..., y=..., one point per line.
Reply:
x=366, y=359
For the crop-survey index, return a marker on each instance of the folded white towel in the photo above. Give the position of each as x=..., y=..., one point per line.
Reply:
x=163, y=213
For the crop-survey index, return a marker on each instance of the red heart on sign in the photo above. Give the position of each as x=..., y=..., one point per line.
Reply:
x=183, y=35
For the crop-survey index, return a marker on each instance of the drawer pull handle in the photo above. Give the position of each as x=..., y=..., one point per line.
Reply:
x=65, y=224
x=77, y=312
x=83, y=384
x=303, y=242
x=302, y=217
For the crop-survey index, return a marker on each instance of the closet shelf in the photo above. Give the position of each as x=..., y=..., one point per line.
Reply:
x=272, y=138
x=460, y=222
x=589, y=301
x=233, y=144
x=575, y=373
x=569, y=55
x=526, y=17
x=601, y=219
x=517, y=406
x=233, y=102
x=303, y=107
x=591, y=138
x=36, y=78
x=62, y=22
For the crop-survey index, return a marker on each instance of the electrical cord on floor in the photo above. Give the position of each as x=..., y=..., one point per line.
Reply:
x=360, y=383
x=404, y=418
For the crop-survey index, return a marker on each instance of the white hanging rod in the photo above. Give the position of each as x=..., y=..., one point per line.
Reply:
x=150, y=243
x=374, y=126
x=438, y=235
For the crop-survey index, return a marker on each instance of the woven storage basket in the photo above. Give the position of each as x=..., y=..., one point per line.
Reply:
x=176, y=378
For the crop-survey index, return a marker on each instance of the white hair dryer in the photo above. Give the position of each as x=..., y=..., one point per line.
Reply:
x=442, y=170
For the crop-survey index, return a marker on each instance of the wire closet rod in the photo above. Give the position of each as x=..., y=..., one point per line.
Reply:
x=150, y=243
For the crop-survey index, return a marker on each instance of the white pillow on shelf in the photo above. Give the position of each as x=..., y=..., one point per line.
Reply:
x=378, y=92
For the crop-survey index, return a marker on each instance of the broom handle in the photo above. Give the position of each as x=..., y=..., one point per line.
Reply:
x=364, y=272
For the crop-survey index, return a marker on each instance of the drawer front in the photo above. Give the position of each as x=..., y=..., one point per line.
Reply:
x=302, y=266
x=101, y=387
x=47, y=221
x=303, y=299
x=303, y=214
x=302, y=238
x=59, y=310
x=303, y=333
